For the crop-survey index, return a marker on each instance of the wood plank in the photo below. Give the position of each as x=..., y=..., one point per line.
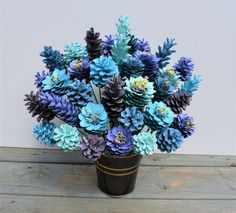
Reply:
x=37, y=204
x=57, y=156
x=153, y=182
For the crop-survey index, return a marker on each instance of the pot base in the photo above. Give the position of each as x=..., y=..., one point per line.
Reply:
x=117, y=174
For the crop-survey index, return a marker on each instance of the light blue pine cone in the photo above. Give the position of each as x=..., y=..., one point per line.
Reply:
x=93, y=118
x=158, y=116
x=75, y=51
x=145, y=143
x=102, y=69
x=57, y=83
x=67, y=137
x=132, y=119
x=44, y=132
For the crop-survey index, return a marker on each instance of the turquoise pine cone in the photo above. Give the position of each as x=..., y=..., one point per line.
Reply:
x=102, y=69
x=57, y=83
x=67, y=137
x=169, y=140
x=145, y=143
x=75, y=51
x=138, y=92
x=44, y=132
x=93, y=118
x=158, y=116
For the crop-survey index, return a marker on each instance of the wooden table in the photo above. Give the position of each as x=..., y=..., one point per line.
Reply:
x=50, y=181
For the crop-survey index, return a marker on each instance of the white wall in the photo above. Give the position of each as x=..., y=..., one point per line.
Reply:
x=204, y=30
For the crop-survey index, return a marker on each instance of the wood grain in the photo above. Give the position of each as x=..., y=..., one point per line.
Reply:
x=38, y=204
x=48, y=180
x=159, y=159
x=152, y=182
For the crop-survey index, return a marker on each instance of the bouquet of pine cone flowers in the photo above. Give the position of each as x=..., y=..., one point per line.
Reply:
x=114, y=96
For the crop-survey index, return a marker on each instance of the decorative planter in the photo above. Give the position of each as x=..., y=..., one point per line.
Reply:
x=116, y=174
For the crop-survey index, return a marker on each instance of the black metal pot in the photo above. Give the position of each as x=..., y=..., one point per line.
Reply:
x=116, y=174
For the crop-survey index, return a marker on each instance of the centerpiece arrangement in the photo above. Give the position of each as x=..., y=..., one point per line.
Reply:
x=118, y=102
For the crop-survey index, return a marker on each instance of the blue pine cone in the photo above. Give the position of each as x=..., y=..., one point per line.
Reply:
x=44, y=132
x=138, y=92
x=165, y=51
x=52, y=58
x=145, y=143
x=165, y=84
x=93, y=118
x=131, y=67
x=79, y=93
x=74, y=51
x=143, y=46
x=39, y=77
x=169, y=140
x=185, y=124
x=67, y=137
x=184, y=68
x=102, y=69
x=150, y=64
x=132, y=119
x=79, y=69
x=61, y=107
x=107, y=44
x=57, y=83
x=158, y=116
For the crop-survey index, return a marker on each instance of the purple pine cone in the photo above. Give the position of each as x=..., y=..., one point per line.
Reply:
x=119, y=141
x=39, y=77
x=185, y=124
x=92, y=146
x=61, y=107
x=184, y=68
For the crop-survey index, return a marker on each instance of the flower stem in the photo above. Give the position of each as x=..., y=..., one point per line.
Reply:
x=100, y=94
x=94, y=93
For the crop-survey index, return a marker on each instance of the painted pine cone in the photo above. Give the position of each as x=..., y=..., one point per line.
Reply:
x=37, y=108
x=185, y=124
x=61, y=107
x=131, y=67
x=74, y=51
x=44, y=133
x=58, y=82
x=67, y=137
x=112, y=97
x=169, y=140
x=165, y=84
x=94, y=43
x=92, y=146
x=184, y=68
x=80, y=94
x=132, y=119
x=138, y=92
x=145, y=143
x=158, y=116
x=52, y=58
x=119, y=141
x=178, y=102
x=79, y=69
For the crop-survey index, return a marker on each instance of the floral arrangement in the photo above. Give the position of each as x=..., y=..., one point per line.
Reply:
x=139, y=103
